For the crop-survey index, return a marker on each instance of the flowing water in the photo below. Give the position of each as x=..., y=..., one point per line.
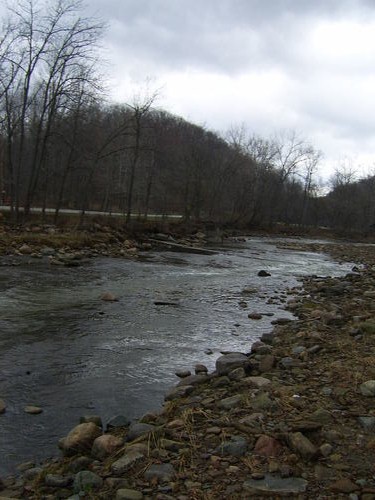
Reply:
x=64, y=349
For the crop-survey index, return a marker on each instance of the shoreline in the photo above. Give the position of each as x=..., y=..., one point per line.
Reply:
x=265, y=425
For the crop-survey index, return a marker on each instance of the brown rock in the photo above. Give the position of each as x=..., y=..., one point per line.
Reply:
x=80, y=439
x=33, y=410
x=108, y=297
x=267, y=446
x=344, y=485
x=25, y=249
x=302, y=445
x=2, y=406
x=106, y=445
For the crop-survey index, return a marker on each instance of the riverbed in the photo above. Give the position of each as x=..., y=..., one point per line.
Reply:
x=64, y=349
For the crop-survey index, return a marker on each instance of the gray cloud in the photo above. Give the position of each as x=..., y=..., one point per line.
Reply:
x=226, y=35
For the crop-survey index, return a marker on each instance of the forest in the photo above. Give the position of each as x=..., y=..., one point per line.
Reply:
x=64, y=144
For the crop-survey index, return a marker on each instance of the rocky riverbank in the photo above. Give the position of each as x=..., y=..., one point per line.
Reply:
x=294, y=416
x=69, y=246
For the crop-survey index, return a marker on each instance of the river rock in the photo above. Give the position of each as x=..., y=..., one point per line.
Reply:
x=162, y=472
x=263, y=402
x=117, y=422
x=108, y=297
x=302, y=445
x=179, y=392
x=3, y=406
x=87, y=481
x=201, y=378
x=47, y=251
x=236, y=446
x=325, y=449
x=268, y=337
x=25, y=249
x=123, y=464
x=321, y=416
x=199, y=369
x=57, y=481
x=344, y=485
x=267, y=363
x=183, y=373
x=263, y=274
x=126, y=494
x=80, y=439
x=33, y=410
x=257, y=382
x=275, y=485
x=254, y=315
x=368, y=388
x=228, y=362
x=80, y=463
x=231, y=402
x=367, y=423
x=287, y=362
x=267, y=446
x=106, y=445
x=95, y=419
x=137, y=430
x=299, y=349
x=237, y=374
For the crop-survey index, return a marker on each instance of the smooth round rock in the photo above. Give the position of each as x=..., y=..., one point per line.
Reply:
x=33, y=410
x=368, y=388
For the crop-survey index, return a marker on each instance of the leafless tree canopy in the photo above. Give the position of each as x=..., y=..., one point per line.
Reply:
x=63, y=146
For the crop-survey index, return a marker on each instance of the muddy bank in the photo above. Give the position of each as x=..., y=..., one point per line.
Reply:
x=295, y=417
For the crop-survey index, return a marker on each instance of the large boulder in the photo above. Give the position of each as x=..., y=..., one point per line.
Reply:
x=228, y=362
x=80, y=439
x=106, y=445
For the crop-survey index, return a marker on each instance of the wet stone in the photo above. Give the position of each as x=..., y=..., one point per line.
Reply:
x=228, y=362
x=118, y=421
x=183, y=373
x=179, y=392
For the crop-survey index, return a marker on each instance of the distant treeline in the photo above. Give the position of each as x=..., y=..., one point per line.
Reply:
x=63, y=146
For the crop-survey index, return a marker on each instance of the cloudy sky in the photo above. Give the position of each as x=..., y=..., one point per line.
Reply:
x=270, y=64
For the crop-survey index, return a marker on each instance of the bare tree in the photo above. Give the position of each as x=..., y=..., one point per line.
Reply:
x=53, y=50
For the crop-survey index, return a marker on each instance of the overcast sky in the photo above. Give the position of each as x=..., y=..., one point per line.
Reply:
x=305, y=65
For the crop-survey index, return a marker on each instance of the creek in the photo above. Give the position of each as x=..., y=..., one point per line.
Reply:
x=64, y=349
